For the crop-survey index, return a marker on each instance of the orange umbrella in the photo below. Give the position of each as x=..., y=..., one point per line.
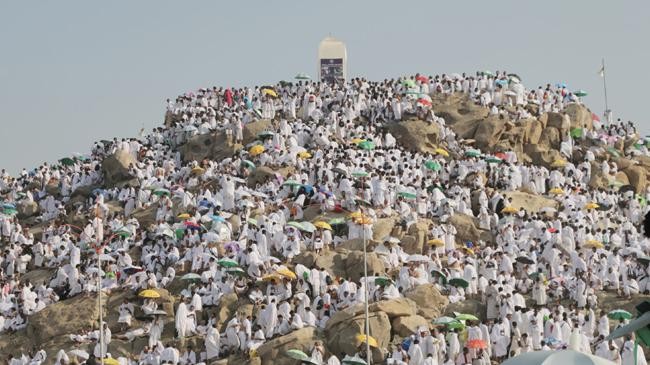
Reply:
x=477, y=344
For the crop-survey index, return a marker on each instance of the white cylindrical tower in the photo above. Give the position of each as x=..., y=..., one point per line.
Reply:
x=332, y=61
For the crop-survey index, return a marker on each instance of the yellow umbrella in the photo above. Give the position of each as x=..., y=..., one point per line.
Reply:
x=357, y=140
x=149, y=294
x=594, y=243
x=270, y=92
x=509, y=210
x=442, y=152
x=271, y=277
x=110, y=361
x=323, y=225
x=371, y=340
x=184, y=216
x=558, y=163
x=436, y=242
x=256, y=150
x=592, y=205
x=556, y=191
x=363, y=220
x=467, y=250
x=287, y=273
x=355, y=215
x=304, y=154
x=198, y=171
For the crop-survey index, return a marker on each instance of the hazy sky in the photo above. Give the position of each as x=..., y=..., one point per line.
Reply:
x=72, y=72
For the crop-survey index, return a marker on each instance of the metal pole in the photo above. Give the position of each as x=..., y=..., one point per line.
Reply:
x=99, y=303
x=365, y=273
x=605, y=88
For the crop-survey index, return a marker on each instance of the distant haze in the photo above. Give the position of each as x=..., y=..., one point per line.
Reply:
x=73, y=72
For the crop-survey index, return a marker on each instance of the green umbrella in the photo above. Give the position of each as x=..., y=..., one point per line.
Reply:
x=123, y=233
x=336, y=221
x=366, y=145
x=308, y=227
x=458, y=282
x=66, y=161
x=161, y=192
x=494, y=160
x=465, y=317
x=302, y=76
x=236, y=271
x=408, y=83
x=228, y=263
x=488, y=73
x=191, y=276
x=576, y=133
x=580, y=93
x=363, y=202
x=252, y=221
x=296, y=225
x=439, y=274
x=432, y=165
x=9, y=211
x=248, y=164
x=353, y=360
x=383, y=281
x=360, y=174
x=411, y=92
x=298, y=355
x=456, y=325
x=472, y=153
x=444, y=320
x=407, y=195
x=619, y=314
x=265, y=134
x=291, y=183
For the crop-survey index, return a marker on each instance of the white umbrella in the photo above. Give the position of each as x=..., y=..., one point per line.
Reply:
x=79, y=353
x=416, y=258
x=557, y=357
x=105, y=257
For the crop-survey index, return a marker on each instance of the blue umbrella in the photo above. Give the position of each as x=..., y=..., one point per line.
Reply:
x=8, y=206
x=218, y=218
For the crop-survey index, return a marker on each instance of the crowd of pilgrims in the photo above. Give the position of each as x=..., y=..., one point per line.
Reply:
x=539, y=278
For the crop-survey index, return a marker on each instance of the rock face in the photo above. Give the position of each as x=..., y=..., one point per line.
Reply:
x=406, y=326
x=530, y=202
x=63, y=318
x=26, y=210
x=214, y=146
x=416, y=135
x=467, y=228
x=344, y=326
x=637, y=177
x=273, y=352
x=430, y=303
x=263, y=173
x=116, y=168
x=251, y=130
x=354, y=265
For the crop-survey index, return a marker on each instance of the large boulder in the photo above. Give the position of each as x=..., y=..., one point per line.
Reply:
x=214, y=146
x=472, y=306
x=383, y=227
x=489, y=132
x=406, y=326
x=416, y=135
x=116, y=168
x=466, y=228
x=226, y=310
x=27, y=209
x=430, y=302
x=399, y=307
x=344, y=326
x=71, y=316
x=355, y=268
x=530, y=202
x=637, y=178
x=550, y=138
x=274, y=352
x=580, y=116
x=263, y=173
x=251, y=130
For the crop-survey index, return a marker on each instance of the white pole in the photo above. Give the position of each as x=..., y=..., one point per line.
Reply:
x=365, y=273
x=99, y=303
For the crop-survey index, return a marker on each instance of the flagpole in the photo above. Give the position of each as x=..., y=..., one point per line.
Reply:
x=365, y=273
x=605, y=88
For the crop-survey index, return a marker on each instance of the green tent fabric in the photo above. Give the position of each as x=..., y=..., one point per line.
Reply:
x=432, y=165
x=366, y=145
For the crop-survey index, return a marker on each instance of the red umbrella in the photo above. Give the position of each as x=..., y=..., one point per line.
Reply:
x=594, y=117
x=477, y=344
x=424, y=102
x=552, y=230
x=423, y=79
x=500, y=155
